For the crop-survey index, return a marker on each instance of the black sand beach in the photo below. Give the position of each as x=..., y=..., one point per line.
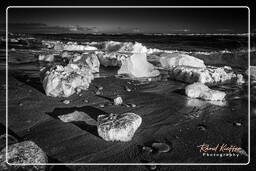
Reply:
x=168, y=115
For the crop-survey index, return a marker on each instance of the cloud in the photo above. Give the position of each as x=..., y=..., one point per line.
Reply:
x=44, y=28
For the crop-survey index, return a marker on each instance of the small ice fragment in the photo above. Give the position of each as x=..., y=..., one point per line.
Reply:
x=118, y=100
x=127, y=89
x=152, y=167
x=237, y=123
x=101, y=105
x=133, y=105
x=202, y=127
x=98, y=92
x=66, y=101
x=100, y=88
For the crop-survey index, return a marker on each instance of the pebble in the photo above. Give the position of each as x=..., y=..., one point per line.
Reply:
x=86, y=101
x=127, y=89
x=161, y=147
x=152, y=167
x=100, y=88
x=202, y=127
x=20, y=104
x=147, y=149
x=30, y=91
x=237, y=123
x=233, y=109
x=133, y=105
x=102, y=105
x=66, y=101
x=98, y=92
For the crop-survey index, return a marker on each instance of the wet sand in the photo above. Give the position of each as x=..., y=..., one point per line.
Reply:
x=167, y=116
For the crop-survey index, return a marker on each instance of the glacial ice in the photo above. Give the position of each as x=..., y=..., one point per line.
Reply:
x=199, y=90
x=46, y=57
x=209, y=75
x=137, y=66
x=75, y=47
x=87, y=59
x=168, y=60
x=62, y=81
x=114, y=52
x=110, y=59
x=252, y=72
x=118, y=127
x=124, y=47
x=69, y=46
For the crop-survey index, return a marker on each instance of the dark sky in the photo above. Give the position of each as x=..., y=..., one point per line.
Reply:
x=128, y=20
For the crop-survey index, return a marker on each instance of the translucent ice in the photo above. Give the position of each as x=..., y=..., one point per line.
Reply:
x=137, y=66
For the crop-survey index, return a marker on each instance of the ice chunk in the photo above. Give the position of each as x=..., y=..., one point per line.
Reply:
x=138, y=66
x=64, y=81
x=69, y=46
x=118, y=127
x=139, y=48
x=56, y=45
x=113, y=46
x=199, y=90
x=75, y=47
x=87, y=59
x=77, y=116
x=252, y=72
x=26, y=152
x=124, y=47
x=168, y=60
x=240, y=79
x=111, y=59
x=46, y=57
x=210, y=75
x=118, y=100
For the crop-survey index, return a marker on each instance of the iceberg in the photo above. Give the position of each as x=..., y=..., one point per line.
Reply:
x=62, y=81
x=118, y=127
x=199, y=90
x=168, y=60
x=137, y=66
